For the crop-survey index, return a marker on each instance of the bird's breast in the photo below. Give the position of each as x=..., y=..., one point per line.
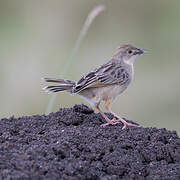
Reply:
x=114, y=90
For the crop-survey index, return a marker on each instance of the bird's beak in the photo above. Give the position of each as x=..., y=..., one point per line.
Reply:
x=142, y=51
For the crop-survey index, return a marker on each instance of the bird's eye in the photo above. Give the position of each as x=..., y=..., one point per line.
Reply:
x=130, y=52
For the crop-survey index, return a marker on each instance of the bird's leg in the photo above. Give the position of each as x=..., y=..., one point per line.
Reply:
x=105, y=117
x=119, y=119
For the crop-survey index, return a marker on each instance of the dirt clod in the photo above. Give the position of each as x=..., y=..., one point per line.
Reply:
x=71, y=145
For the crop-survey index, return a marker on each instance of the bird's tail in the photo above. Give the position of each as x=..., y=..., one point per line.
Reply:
x=64, y=85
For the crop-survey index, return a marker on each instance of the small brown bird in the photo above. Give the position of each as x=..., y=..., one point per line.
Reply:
x=104, y=83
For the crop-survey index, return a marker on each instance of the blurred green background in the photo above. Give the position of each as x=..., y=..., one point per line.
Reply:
x=37, y=37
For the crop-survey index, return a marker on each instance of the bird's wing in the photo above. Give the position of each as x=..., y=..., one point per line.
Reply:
x=107, y=74
x=118, y=74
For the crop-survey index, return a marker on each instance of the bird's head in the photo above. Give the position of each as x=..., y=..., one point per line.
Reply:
x=128, y=53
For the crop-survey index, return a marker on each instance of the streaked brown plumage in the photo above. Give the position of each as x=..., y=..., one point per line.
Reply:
x=104, y=83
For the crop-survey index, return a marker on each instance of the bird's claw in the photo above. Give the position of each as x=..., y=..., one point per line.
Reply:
x=112, y=122
x=116, y=121
x=129, y=124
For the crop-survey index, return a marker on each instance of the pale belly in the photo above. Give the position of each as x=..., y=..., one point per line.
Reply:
x=95, y=95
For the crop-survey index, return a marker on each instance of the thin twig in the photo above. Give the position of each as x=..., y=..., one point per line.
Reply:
x=92, y=15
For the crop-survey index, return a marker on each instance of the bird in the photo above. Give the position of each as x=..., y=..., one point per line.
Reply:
x=104, y=83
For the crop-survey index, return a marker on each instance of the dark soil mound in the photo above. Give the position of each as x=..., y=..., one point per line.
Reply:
x=70, y=144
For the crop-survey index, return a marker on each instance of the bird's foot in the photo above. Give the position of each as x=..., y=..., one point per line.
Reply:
x=112, y=122
x=129, y=124
x=116, y=121
x=126, y=124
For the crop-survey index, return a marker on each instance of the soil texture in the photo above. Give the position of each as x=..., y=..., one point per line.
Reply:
x=71, y=144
